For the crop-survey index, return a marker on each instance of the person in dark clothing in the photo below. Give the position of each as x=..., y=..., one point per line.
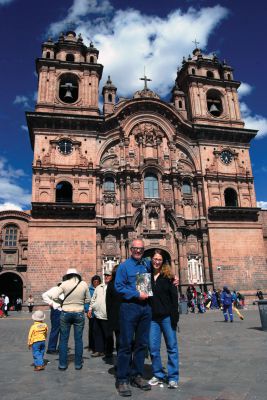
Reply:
x=259, y=294
x=113, y=303
x=95, y=281
x=165, y=316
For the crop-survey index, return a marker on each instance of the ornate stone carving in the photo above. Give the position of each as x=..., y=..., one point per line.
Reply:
x=109, y=197
x=148, y=134
x=135, y=188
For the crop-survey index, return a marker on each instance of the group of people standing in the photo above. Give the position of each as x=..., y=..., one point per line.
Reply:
x=138, y=315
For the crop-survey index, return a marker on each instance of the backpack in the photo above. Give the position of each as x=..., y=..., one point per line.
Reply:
x=227, y=299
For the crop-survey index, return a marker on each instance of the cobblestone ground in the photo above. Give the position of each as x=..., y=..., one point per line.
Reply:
x=218, y=361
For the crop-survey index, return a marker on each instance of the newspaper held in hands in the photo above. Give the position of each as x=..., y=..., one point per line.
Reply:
x=143, y=283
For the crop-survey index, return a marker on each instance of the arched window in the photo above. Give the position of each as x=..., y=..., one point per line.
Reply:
x=230, y=198
x=210, y=74
x=110, y=98
x=180, y=104
x=11, y=236
x=92, y=60
x=70, y=57
x=193, y=71
x=48, y=54
x=229, y=77
x=64, y=192
x=214, y=102
x=68, y=88
x=109, y=184
x=151, y=186
x=186, y=188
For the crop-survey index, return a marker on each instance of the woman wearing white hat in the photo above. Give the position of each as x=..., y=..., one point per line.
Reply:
x=76, y=294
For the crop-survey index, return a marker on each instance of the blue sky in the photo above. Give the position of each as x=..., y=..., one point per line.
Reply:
x=129, y=35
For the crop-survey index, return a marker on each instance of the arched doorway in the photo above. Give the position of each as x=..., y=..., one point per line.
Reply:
x=11, y=284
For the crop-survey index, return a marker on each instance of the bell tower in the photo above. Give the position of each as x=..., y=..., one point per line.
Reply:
x=69, y=76
x=210, y=89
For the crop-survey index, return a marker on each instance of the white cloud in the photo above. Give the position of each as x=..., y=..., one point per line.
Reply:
x=5, y=2
x=10, y=206
x=256, y=121
x=78, y=10
x=262, y=204
x=244, y=89
x=24, y=100
x=128, y=41
x=24, y=128
x=10, y=190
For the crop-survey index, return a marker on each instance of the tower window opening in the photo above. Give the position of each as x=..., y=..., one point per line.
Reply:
x=210, y=74
x=109, y=184
x=47, y=54
x=64, y=192
x=92, y=60
x=229, y=77
x=11, y=236
x=214, y=103
x=180, y=104
x=70, y=57
x=193, y=71
x=186, y=188
x=151, y=186
x=68, y=88
x=230, y=198
x=110, y=98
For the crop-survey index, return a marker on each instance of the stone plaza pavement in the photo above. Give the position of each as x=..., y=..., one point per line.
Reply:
x=218, y=361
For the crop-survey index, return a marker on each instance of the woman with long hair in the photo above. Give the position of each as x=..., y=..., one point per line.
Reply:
x=165, y=316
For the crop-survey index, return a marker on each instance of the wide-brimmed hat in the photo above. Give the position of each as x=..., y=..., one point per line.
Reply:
x=72, y=271
x=38, y=315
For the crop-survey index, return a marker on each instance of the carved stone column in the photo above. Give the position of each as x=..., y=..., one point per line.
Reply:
x=128, y=196
x=200, y=197
x=98, y=254
x=97, y=196
x=122, y=197
x=206, y=258
x=122, y=248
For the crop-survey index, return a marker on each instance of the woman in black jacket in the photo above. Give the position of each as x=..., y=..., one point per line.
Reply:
x=165, y=316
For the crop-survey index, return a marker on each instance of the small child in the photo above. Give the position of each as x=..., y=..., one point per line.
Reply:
x=36, y=339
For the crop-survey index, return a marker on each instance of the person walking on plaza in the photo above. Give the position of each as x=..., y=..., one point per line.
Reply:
x=227, y=300
x=2, y=305
x=55, y=312
x=6, y=305
x=135, y=318
x=36, y=339
x=103, y=341
x=18, y=304
x=113, y=304
x=76, y=294
x=95, y=281
x=30, y=303
x=165, y=317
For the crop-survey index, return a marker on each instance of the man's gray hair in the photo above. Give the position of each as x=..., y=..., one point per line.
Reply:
x=133, y=240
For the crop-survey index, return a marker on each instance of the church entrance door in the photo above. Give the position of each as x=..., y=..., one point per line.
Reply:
x=11, y=285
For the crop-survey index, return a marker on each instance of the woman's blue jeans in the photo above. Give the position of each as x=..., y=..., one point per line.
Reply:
x=156, y=329
x=66, y=320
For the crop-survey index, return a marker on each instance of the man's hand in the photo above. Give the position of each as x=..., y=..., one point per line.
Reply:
x=89, y=314
x=143, y=296
x=176, y=281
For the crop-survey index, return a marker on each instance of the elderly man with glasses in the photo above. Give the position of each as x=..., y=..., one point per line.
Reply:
x=135, y=318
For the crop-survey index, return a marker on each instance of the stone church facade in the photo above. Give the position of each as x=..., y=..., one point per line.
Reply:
x=177, y=174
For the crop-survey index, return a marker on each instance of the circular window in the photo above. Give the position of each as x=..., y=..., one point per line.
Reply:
x=68, y=88
x=65, y=147
x=214, y=103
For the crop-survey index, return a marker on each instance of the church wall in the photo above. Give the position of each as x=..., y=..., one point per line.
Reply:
x=55, y=246
x=238, y=256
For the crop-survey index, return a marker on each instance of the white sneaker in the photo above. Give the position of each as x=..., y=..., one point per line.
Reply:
x=155, y=381
x=173, y=385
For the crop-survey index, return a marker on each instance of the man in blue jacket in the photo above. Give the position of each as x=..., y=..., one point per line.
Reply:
x=135, y=318
x=227, y=300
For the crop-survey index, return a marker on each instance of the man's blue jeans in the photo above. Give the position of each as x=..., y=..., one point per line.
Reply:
x=66, y=320
x=156, y=329
x=134, y=331
x=55, y=326
x=38, y=349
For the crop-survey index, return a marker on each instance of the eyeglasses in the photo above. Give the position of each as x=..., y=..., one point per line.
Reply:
x=137, y=249
x=157, y=260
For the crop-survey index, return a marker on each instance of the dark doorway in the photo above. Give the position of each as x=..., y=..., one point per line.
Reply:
x=11, y=284
x=63, y=192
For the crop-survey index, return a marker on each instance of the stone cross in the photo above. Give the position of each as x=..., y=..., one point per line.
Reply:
x=145, y=79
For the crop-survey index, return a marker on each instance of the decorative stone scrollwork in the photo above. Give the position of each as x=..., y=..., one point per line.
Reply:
x=109, y=198
x=148, y=134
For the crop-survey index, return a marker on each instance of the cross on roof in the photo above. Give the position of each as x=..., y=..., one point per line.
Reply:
x=145, y=79
x=195, y=42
